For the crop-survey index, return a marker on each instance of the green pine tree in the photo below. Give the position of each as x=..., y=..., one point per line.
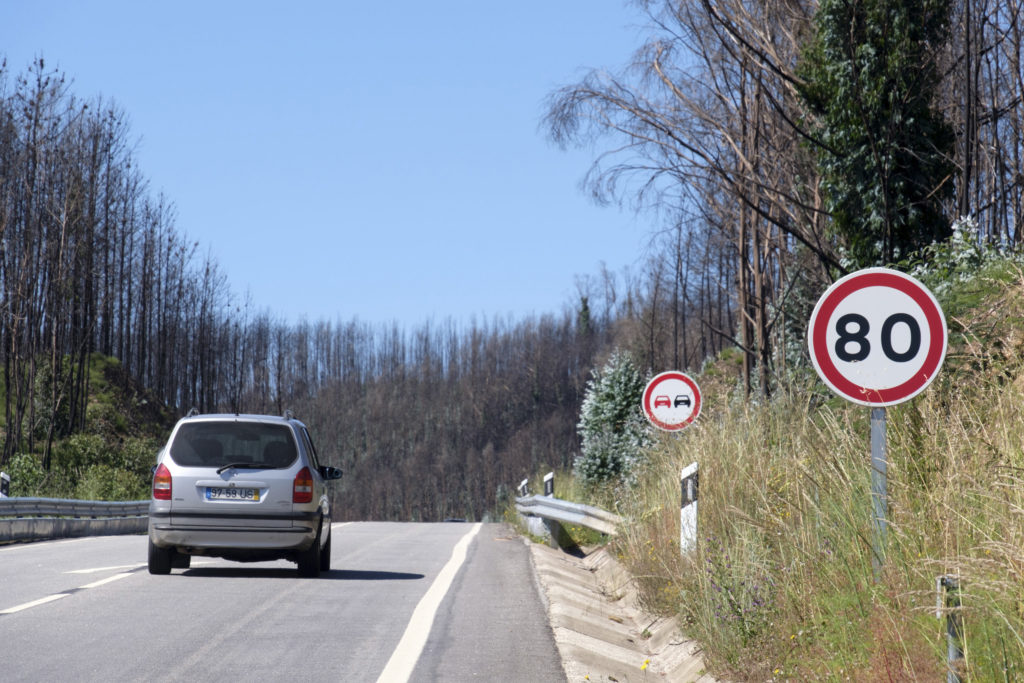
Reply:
x=870, y=77
x=612, y=428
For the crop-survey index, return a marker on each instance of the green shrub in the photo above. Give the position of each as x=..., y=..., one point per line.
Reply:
x=75, y=454
x=612, y=429
x=27, y=475
x=138, y=455
x=104, y=419
x=102, y=482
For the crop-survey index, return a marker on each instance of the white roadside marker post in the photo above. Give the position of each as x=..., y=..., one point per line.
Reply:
x=688, y=510
x=950, y=585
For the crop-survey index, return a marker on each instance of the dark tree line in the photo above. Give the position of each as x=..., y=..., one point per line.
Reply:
x=432, y=423
x=90, y=262
x=428, y=423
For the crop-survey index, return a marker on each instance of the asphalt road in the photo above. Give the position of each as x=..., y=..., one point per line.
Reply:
x=416, y=602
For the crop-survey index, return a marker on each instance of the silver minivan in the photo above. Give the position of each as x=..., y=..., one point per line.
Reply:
x=246, y=488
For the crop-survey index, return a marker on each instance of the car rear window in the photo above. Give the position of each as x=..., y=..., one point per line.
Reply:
x=215, y=444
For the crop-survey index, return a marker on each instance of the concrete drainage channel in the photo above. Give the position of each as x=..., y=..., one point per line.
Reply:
x=600, y=632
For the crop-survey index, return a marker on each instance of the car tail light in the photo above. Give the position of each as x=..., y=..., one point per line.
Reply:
x=162, y=483
x=302, y=490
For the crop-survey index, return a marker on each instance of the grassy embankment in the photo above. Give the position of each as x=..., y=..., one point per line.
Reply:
x=782, y=585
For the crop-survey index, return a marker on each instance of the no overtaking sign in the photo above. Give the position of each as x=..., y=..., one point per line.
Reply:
x=671, y=401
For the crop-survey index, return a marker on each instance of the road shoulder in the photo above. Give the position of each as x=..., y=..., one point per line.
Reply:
x=600, y=632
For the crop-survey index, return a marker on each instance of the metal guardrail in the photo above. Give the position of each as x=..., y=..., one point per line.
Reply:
x=33, y=519
x=39, y=507
x=565, y=512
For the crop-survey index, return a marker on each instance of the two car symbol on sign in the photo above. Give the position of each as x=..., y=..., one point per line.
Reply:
x=664, y=402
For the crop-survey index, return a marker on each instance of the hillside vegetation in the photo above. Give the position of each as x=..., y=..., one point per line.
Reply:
x=781, y=585
x=111, y=458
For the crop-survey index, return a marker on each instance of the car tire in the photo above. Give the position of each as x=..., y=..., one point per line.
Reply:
x=159, y=559
x=325, y=555
x=309, y=559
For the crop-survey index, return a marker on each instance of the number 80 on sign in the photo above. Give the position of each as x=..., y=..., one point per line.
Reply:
x=877, y=337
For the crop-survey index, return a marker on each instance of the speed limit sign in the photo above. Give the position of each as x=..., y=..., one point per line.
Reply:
x=877, y=337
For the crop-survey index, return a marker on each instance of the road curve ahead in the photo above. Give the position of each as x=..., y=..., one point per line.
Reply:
x=404, y=602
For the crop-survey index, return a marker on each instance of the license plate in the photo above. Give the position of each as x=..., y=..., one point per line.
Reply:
x=221, y=493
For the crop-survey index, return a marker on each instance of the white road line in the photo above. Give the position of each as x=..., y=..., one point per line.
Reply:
x=109, y=579
x=33, y=546
x=116, y=577
x=96, y=570
x=58, y=596
x=34, y=603
x=403, y=660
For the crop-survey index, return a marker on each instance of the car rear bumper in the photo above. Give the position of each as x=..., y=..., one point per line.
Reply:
x=208, y=534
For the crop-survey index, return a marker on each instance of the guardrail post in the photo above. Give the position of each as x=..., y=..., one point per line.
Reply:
x=950, y=583
x=5, y=485
x=560, y=538
x=688, y=510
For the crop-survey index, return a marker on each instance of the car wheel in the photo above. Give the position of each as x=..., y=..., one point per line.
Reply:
x=325, y=555
x=159, y=559
x=309, y=559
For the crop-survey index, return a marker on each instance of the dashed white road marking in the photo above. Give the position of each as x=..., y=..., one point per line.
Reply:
x=34, y=603
x=109, y=579
x=96, y=570
x=95, y=584
x=132, y=567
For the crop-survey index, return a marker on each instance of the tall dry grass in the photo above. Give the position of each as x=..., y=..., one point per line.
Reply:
x=782, y=584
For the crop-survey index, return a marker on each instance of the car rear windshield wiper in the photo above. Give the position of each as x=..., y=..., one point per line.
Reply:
x=241, y=466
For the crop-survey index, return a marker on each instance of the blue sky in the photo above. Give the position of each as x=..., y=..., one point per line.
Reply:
x=358, y=160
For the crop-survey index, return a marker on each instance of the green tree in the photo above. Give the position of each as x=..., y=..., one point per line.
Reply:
x=870, y=76
x=612, y=428
x=27, y=475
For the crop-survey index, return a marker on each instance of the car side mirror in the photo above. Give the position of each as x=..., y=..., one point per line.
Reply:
x=330, y=472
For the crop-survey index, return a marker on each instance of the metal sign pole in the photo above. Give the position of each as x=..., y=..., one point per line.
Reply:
x=879, y=494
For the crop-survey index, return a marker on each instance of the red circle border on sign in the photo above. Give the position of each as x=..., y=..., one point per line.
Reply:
x=649, y=391
x=936, y=329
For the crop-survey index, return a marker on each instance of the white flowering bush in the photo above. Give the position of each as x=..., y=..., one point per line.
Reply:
x=612, y=428
x=944, y=266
